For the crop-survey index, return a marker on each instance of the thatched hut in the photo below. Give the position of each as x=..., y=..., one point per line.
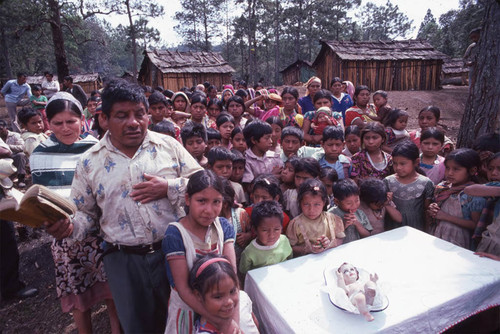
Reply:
x=88, y=81
x=174, y=70
x=387, y=65
x=299, y=71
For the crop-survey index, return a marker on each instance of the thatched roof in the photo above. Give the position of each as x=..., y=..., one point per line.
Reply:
x=86, y=77
x=413, y=49
x=297, y=63
x=454, y=66
x=188, y=62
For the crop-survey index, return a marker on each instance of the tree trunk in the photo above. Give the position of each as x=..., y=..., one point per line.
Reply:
x=482, y=110
x=277, y=20
x=132, y=36
x=58, y=39
x=5, y=54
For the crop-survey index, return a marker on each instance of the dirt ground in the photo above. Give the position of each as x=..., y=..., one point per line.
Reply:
x=42, y=314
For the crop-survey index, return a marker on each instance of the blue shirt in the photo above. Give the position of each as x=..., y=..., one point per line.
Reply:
x=14, y=92
x=338, y=165
x=306, y=103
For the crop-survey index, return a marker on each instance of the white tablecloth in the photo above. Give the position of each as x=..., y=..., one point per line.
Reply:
x=431, y=284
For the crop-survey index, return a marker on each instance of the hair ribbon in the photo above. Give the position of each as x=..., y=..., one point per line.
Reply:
x=209, y=262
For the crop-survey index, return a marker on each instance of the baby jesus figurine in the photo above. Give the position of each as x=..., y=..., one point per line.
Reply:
x=359, y=295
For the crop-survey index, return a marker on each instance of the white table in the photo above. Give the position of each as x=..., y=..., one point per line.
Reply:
x=431, y=284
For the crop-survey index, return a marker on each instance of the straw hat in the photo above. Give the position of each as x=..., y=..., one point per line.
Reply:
x=7, y=168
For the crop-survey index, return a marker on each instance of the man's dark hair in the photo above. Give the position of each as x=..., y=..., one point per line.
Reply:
x=120, y=90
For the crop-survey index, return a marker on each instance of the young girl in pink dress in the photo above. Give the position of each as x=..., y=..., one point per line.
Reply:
x=456, y=213
x=371, y=161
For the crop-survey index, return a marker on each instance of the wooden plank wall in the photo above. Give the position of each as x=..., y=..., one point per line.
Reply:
x=291, y=76
x=88, y=86
x=385, y=75
x=176, y=81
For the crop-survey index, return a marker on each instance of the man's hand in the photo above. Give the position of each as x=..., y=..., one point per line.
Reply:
x=153, y=188
x=60, y=229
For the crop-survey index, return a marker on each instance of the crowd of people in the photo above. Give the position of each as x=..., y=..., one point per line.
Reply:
x=180, y=194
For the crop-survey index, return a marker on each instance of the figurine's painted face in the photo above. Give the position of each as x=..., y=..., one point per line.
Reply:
x=349, y=273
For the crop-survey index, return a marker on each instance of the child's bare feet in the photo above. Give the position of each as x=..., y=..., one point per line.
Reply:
x=368, y=316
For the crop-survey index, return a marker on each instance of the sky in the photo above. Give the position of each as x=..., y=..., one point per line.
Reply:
x=414, y=9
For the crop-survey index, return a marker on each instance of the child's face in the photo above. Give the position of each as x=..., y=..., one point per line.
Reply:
x=239, y=142
x=269, y=231
x=333, y=148
x=328, y=185
x=92, y=106
x=223, y=299
x=426, y=119
x=225, y=130
x=223, y=168
x=323, y=118
x=289, y=102
x=260, y=194
x=198, y=111
x=270, y=104
x=180, y=104
x=401, y=123
x=227, y=96
x=169, y=110
x=238, y=170
x=204, y=206
x=493, y=171
x=157, y=111
x=35, y=124
x=372, y=141
x=196, y=146
x=349, y=204
x=379, y=101
x=37, y=93
x=300, y=177
x=290, y=145
x=430, y=147
x=212, y=143
x=456, y=174
x=235, y=109
x=276, y=135
x=287, y=174
x=323, y=103
x=213, y=110
x=363, y=98
x=264, y=144
x=312, y=205
x=353, y=143
x=349, y=273
x=404, y=167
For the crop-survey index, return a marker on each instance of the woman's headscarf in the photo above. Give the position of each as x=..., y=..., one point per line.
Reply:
x=310, y=81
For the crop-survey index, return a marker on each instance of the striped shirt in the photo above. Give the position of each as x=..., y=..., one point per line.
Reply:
x=53, y=163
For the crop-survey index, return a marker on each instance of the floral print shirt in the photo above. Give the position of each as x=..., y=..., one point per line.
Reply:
x=103, y=181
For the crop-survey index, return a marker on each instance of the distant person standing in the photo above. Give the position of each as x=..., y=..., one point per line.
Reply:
x=49, y=85
x=14, y=92
x=470, y=56
x=75, y=90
